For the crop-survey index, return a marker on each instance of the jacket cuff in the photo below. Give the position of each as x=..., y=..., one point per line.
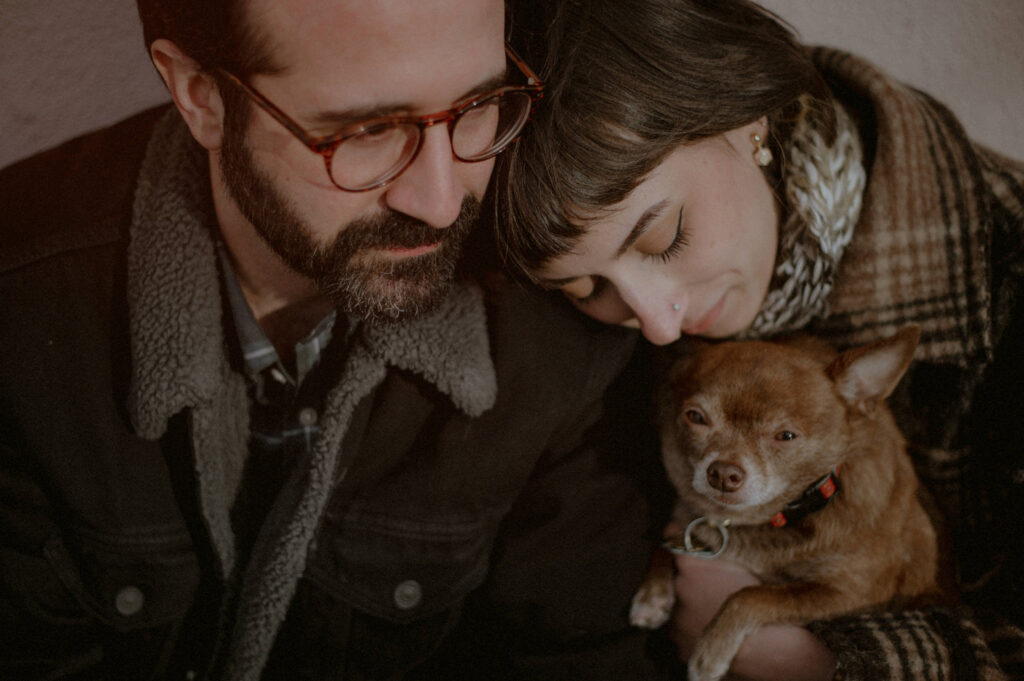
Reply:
x=916, y=645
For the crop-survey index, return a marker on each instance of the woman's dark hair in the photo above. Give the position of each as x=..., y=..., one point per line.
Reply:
x=626, y=84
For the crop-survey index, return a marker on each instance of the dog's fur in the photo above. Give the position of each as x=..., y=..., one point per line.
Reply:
x=725, y=414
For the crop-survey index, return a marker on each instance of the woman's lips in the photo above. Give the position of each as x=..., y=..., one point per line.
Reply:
x=708, y=320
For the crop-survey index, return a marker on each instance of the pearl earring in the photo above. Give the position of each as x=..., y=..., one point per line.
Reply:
x=675, y=306
x=762, y=154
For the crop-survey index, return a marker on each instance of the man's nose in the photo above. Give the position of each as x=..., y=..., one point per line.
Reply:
x=430, y=189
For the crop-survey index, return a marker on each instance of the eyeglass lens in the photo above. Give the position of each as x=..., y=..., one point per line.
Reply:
x=380, y=153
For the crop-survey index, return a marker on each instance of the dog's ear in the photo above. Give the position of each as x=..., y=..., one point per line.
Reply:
x=867, y=375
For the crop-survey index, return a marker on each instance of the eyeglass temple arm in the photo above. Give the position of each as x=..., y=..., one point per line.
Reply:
x=527, y=71
x=272, y=109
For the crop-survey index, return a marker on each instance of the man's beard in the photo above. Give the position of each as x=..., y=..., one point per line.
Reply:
x=377, y=289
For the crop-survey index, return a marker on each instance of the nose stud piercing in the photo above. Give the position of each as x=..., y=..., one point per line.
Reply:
x=762, y=154
x=675, y=306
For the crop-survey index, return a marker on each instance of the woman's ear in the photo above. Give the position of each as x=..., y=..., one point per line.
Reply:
x=762, y=127
x=743, y=139
x=193, y=90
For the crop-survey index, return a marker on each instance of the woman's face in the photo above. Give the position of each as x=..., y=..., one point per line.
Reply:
x=690, y=251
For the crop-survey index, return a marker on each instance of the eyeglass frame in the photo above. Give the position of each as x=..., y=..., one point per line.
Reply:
x=326, y=145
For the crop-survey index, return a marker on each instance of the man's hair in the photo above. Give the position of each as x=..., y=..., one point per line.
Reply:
x=215, y=33
x=626, y=84
x=218, y=36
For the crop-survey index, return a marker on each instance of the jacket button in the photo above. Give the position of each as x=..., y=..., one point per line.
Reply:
x=308, y=416
x=408, y=594
x=129, y=601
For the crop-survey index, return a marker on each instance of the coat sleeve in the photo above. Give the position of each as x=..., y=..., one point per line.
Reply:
x=968, y=431
x=924, y=645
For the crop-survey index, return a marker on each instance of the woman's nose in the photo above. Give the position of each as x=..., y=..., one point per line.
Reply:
x=661, y=320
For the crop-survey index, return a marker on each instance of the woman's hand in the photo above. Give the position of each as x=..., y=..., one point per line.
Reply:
x=772, y=653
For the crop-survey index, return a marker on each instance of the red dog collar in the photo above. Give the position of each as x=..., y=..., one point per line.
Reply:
x=814, y=498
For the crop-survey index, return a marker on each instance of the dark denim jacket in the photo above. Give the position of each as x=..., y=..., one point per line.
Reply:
x=502, y=545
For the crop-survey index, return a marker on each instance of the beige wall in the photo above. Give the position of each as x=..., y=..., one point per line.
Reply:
x=969, y=54
x=68, y=66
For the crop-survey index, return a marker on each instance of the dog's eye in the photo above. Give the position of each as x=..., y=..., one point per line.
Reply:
x=785, y=435
x=695, y=417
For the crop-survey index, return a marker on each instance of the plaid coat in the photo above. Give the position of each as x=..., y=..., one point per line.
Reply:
x=940, y=242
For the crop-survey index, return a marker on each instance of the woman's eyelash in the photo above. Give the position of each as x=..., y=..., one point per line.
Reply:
x=679, y=241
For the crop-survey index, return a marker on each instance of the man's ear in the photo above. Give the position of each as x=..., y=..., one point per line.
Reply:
x=194, y=92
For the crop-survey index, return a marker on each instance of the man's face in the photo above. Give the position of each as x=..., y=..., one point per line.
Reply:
x=391, y=251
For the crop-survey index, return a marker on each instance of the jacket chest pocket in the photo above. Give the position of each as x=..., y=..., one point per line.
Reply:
x=104, y=602
x=401, y=569
x=142, y=581
x=379, y=594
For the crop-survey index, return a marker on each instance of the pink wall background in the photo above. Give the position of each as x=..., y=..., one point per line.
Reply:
x=68, y=66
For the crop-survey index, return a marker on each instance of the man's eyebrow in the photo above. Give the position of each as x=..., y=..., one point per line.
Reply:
x=341, y=118
x=644, y=221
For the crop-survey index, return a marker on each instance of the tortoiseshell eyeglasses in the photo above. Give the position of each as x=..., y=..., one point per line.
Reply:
x=370, y=154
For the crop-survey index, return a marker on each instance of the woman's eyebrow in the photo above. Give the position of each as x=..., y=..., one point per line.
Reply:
x=555, y=283
x=645, y=220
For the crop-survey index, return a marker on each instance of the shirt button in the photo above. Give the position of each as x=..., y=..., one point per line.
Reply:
x=308, y=416
x=129, y=601
x=408, y=594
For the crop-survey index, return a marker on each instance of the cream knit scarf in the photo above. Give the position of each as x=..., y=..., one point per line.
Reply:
x=823, y=185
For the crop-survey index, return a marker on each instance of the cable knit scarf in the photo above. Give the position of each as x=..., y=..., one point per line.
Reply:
x=823, y=185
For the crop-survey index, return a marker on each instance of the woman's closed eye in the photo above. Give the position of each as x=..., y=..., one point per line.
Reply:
x=578, y=290
x=679, y=241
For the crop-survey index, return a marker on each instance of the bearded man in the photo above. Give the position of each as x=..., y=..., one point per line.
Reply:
x=258, y=419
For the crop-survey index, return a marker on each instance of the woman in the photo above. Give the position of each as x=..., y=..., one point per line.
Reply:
x=694, y=171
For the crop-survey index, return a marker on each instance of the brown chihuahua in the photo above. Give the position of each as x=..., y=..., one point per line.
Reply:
x=788, y=462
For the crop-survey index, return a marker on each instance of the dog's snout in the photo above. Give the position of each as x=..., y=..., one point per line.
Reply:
x=725, y=476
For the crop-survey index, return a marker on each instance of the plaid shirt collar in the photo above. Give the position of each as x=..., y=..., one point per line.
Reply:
x=257, y=350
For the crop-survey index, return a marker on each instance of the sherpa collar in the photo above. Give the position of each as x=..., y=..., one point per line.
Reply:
x=176, y=311
x=920, y=250
x=180, y=363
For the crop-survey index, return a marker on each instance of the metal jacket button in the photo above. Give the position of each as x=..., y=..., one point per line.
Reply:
x=129, y=601
x=408, y=594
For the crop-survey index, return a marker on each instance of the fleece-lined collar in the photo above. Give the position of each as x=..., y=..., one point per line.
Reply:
x=176, y=311
x=179, y=362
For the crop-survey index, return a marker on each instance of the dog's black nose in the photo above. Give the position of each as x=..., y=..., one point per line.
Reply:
x=725, y=476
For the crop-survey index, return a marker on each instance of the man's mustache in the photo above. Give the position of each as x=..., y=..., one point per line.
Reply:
x=390, y=230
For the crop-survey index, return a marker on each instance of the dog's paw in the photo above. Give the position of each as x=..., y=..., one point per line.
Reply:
x=652, y=604
x=713, y=654
x=704, y=665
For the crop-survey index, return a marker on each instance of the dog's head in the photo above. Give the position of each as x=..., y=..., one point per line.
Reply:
x=747, y=426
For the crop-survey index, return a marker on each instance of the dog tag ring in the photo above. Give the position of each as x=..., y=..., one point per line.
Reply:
x=691, y=549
